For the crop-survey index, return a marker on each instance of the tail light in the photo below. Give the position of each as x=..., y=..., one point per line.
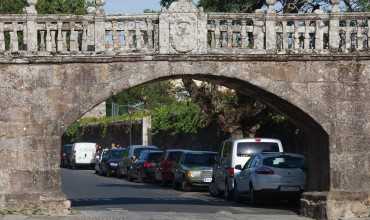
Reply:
x=230, y=171
x=264, y=171
x=147, y=165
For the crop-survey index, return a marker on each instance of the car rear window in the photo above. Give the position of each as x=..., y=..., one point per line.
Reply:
x=154, y=157
x=174, y=156
x=138, y=151
x=200, y=159
x=285, y=162
x=116, y=154
x=248, y=148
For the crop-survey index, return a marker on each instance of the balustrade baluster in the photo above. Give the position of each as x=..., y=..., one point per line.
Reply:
x=307, y=37
x=73, y=41
x=285, y=36
x=128, y=38
x=84, y=36
x=258, y=33
x=14, y=38
x=65, y=41
x=150, y=33
x=2, y=37
x=48, y=38
x=53, y=41
x=230, y=34
x=244, y=35
x=42, y=46
x=334, y=37
x=115, y=37
x=296, y=35
x=217, y=34
x=139, y=43
x=60, y=44
x=360, y=35
x=319, y=35
x=348, y=30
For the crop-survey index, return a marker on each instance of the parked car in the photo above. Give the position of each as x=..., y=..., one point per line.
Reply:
x=195, y=168
x=66, y=155
x=278, y=175
x=234, y=154
x=143, y=169
x=109, y=165
x=102, y=156
x=131, y=154
x=83, y=154
x=165, y=172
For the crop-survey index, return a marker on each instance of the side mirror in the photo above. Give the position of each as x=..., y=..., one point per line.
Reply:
x=238, y=167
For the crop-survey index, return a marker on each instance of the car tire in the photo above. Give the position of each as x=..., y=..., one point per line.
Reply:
x=253, y=196
x=236, y=194
x=212, y=189
x=140, y=178
x=228, y=194
x=185, y=186
x=119, y=174
x=129, y=178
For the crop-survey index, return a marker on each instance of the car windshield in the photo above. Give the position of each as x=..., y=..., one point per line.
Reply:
x=138, y=151
x=117, y=154
x=67, y=149
x=155, y=157
x=174, y=156
x=284, y=162
x=248, y=148
x=199, y=159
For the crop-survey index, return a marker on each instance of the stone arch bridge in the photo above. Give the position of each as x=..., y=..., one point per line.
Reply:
x=315, y=68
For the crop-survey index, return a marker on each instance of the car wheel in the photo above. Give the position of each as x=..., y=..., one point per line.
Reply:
x=129, y=178
x=253, y=197
x=119, y=174
x=185, y=186
x=212, y=189
x=236, y=194
x=228, y=193
x=140, y=177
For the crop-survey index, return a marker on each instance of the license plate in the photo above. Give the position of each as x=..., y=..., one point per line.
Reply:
x=289, y=188
x=207, y=180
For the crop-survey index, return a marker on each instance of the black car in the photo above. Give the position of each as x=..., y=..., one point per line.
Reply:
x=109, y=163
x=66, y=155
x=143, y=169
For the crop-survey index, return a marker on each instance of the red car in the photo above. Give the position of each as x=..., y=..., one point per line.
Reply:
x=165, y=171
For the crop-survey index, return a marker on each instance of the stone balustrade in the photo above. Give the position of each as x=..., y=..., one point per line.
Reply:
x=263, y=32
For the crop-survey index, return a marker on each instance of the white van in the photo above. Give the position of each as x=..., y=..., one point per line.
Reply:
x=233, y=155
x=83, y=154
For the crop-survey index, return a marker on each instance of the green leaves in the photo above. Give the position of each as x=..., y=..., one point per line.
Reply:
x=12, y=6
x=77, y=7
x=178, y=118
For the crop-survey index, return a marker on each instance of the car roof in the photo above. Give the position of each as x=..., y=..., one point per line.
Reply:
x=199, y=152
x=142, y=146
x=175, y=150
x=253, y=139
x=152, y=151
x=277, y=154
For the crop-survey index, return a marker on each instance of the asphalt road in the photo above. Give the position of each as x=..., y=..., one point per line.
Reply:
x=88, y=191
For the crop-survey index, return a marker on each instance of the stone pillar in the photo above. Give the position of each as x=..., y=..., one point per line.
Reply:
x=147, y=130
x=31, y=30
x=271, y=26
x=100, y=26
x=333, y=26
x=30, y=181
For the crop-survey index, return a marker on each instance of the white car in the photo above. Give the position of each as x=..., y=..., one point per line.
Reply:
x=279, y=175
x=236, y=153
x=83, y=154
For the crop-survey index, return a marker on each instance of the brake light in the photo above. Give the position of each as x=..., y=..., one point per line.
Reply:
x=148, y=165
x=264, y=171
x=258, y=139
x=230, y=171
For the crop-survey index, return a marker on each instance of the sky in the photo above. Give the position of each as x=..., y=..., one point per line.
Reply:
x=130, y=6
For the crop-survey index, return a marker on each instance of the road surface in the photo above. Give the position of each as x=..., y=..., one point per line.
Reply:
x=90, y=192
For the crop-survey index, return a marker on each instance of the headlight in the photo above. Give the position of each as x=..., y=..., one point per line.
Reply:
x=194, y=174
x=113, y=164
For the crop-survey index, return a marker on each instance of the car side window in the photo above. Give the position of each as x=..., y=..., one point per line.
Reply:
x=255, y=162
x=248, y=164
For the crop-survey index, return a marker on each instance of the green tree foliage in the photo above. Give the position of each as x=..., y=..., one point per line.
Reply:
x=178, y=118
x=12, y=6
x=153, y=95
x=77, y=7
x=45, y=6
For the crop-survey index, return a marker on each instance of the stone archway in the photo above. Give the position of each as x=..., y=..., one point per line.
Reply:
x=41, y=100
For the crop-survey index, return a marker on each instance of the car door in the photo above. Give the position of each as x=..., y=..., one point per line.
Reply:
x=219, y=170
x=245, y=175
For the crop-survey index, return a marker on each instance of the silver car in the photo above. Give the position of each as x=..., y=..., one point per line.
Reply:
x=276, y=175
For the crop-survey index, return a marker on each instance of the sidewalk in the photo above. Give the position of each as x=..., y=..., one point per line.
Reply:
x=125, y=215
